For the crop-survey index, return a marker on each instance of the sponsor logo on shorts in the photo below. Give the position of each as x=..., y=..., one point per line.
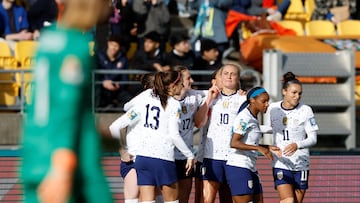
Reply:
x=250, y=184
x=280, y=175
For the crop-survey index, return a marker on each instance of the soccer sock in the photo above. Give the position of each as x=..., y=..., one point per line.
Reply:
x=159, y=199
x=132, y=201
x=153, y=201
x=176, y=201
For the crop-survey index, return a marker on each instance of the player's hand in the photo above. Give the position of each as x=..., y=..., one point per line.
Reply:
x=290, y=149
x=189, y=166
x=275, y=150
x=56, y=187
x=213, y=92
x=266, y=152
x=109, y=85
x=125, y=156
x=242, y=92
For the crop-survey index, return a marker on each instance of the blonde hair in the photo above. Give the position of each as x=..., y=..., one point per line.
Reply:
x=84, y=14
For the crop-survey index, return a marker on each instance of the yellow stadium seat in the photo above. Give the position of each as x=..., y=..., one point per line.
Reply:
x=309, y=8
x=24, y=53
x=132, y=50
x=348, y=27
x=294, y=25
x=92, y=48
x=8, y=86
x=296, y=11
x=25, y=50
x=5, y=49
x=320, y=28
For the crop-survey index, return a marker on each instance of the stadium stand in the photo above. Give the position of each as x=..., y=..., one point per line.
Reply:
x=333, y=179
x=320, y=28
x=294, y=25
x=328, y=87
x=348, y=27
x=8, y=87
x=24, y=53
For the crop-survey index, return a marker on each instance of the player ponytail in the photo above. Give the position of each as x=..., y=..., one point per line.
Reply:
x=162, y=83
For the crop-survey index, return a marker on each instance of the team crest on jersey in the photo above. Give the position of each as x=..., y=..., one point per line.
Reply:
x=312, y=121
x=178, y=113
x=226, y=104
x=250, y=184
x=132, y=115
x=242, y=125
x=184, y=109
x=285, y=120
x=280, y=175
x=71, y=71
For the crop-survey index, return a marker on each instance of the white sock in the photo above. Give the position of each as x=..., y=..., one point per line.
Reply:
x=131, y=201
x=176, y=201
x=153, y=201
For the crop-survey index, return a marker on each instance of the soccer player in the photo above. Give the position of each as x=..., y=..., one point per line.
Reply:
x=190, y=100
x=224, y=105
x=128, y=146
x=241, y=172
x=158, y=121
x=61, y=147
x=294, y=129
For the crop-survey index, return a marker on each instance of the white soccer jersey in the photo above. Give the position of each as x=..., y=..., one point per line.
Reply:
x=127, y=120
x=189, y=105
x=137, y=99
x=292, y=126
x=247, y=125
x=223, y=112
x=158, y=128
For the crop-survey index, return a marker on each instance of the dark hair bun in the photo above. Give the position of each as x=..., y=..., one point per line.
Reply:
x=289, y=76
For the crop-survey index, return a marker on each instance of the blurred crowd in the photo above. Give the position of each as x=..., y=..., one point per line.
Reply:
x=144, y=28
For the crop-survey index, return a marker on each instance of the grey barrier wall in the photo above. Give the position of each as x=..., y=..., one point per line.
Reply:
x=333, y=104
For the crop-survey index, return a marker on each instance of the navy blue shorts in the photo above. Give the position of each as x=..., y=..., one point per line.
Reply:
x=181, y=170
x=125, y=167
x=214, y=170
x=299, y=179
x=243, y=181
x=198, y=170
x=156, y=172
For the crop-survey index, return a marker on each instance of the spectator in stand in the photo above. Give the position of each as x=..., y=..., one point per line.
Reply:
x=112, y=58
x=152, y=15
x=181, y=54
x=322, y=9
x=150, y=57
x=208, y=60
x=210, y=22
x=128, y=23
x=273, y=11
x=16, y=24
x=42, y=13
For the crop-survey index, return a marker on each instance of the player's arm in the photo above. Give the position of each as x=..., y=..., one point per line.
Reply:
x=178, y=140
x=57, y=185
x=238, y=144
x=200, y=117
